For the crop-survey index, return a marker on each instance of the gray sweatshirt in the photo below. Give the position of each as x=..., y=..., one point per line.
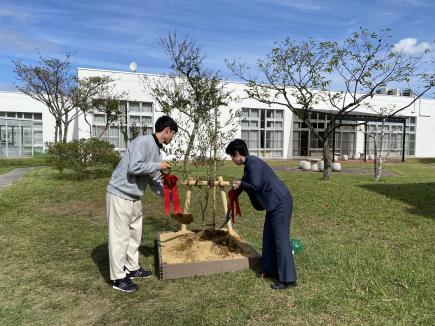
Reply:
x=138, y=168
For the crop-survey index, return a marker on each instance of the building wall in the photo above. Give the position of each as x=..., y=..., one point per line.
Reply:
x=423, y=110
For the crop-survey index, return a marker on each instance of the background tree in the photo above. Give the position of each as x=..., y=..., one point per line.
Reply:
x=53, y=83
x=98, y=95
x=298, y=76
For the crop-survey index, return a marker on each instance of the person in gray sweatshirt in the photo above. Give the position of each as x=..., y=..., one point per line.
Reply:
x=139, y=167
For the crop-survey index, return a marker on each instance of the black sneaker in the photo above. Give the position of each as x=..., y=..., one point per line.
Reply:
x=125, y=285
x=138, y=273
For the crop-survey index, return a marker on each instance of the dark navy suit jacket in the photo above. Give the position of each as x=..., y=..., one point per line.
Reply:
x=262, y=185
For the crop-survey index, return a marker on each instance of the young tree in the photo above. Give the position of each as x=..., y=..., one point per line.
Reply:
x=298, y=76
x=190, y=93
x=53, y=83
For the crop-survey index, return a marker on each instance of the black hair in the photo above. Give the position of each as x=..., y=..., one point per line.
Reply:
x=237, y=145
x=165, y=121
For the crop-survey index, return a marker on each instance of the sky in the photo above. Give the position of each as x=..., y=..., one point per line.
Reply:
x=111, y=34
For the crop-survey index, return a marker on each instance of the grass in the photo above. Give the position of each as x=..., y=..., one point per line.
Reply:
x=7, y=165
x=367, y=258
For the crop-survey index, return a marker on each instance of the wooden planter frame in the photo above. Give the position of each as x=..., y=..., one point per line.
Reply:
x=189, y=269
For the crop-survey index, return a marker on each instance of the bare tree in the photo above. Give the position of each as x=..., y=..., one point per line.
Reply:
x=298, y=76
x=53, y=83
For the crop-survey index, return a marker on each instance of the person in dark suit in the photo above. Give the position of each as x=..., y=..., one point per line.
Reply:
x=267, y=192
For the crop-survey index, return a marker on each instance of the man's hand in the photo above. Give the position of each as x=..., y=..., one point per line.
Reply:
x=237, y=184
x=165, y=166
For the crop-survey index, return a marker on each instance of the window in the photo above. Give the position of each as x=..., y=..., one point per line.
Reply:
x=262, y=129
x=11, y=114
x=133, y=107
x=135, y=119
x=37, y=116
x=147, y=121
x=147, y=107
x=99, y=119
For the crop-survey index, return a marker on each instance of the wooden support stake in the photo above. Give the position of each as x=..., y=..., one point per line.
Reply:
x=225, y=204
x=186, y=206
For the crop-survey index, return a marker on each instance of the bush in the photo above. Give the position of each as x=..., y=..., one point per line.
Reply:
x=84, y=156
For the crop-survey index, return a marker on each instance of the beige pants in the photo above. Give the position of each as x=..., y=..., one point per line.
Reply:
x=125, y=231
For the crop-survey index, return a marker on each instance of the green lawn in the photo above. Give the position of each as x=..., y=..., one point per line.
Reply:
x=368, y=256
x=7, y=165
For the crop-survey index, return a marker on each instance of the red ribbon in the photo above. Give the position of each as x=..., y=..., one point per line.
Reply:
x=233, y=195
x=170, y=193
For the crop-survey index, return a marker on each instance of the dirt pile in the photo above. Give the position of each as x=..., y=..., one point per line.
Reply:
x=182, y=247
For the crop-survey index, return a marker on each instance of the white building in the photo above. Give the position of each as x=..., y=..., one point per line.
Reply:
x=270, y=131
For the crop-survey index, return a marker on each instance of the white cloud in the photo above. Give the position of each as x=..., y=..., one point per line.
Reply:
x=17, y=42
x=410, y=46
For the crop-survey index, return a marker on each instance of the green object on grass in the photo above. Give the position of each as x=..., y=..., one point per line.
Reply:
x=297, y=246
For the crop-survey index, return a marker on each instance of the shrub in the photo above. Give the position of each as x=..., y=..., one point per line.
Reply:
x=83, y=156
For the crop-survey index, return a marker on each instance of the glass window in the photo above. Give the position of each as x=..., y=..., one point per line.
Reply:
x=135, y=119
x=37, y=116
x=133, y=106
x=37, y=136
x=148, y=121
x=99, y=118
x=279, y=114
x=253, y=124
x=2, y=114
x=245, y=113
x=11, y=114
x=28, y=115
x=147, y=107
x=20, y=115
x=254, y=113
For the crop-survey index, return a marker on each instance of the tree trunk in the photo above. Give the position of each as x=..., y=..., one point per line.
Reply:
x=188, y=150
x=56, y=132
x=379, y=161
x=327, y=161
x=60, y=132
x=375, y=162
x=89, y=124
x=65, y=132
x=215, y=140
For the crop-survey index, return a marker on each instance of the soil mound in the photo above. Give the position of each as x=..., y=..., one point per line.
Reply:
x=182, y=247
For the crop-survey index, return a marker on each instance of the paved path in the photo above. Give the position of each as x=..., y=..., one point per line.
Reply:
x=10, y=177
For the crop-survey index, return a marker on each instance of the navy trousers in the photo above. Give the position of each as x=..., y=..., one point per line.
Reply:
x=277, y=258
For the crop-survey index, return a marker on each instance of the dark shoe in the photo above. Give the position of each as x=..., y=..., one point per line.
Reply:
x=138, y=273
x=125, y=285
x=278, y=285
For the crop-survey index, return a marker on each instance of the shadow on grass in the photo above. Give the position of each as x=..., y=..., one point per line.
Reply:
x=100, y=256
x=420, y=196
x=425, y=160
